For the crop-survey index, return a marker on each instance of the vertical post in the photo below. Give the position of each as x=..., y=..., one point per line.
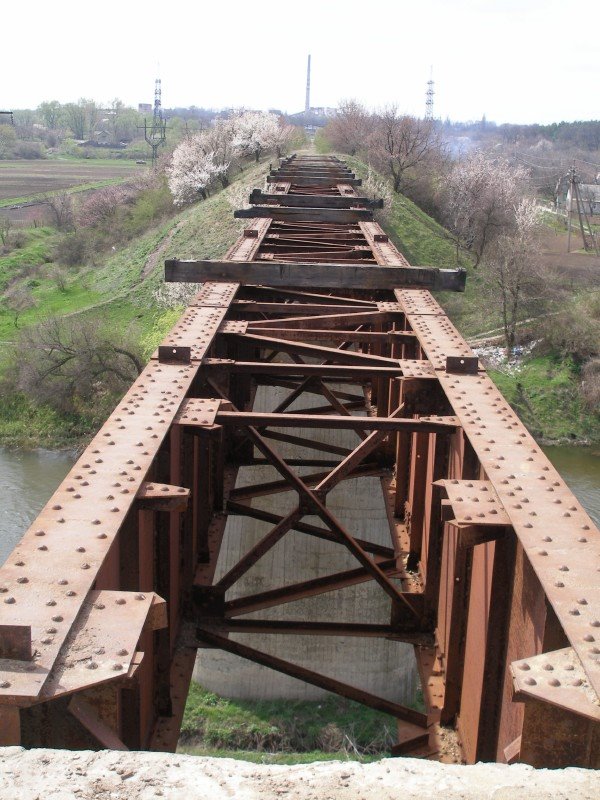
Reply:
x=498, y=622
x=469, y=468
x=416, y=496
x=162, y=645
x=10, y=726
x=435, y=538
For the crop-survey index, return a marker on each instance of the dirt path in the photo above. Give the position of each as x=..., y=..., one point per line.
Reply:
x=155, y=255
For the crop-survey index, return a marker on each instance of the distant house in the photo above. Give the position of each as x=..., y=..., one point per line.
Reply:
x=590, y=197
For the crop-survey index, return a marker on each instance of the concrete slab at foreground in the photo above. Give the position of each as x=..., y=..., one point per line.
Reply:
x=62, y=775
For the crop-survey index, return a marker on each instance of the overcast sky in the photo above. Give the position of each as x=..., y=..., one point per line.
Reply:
x=512, y=60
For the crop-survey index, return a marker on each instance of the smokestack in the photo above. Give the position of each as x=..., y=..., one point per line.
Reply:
x=307, y=104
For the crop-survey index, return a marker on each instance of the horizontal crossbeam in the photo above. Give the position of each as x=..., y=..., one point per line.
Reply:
x=323, y=275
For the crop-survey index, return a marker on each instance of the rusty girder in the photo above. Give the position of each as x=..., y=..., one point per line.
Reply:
x=491, y=564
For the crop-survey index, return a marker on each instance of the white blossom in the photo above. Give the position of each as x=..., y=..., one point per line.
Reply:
x=255, y=131
x=192, y=170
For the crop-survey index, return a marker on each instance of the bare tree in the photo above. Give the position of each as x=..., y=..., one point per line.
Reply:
x=68, y=363
x=513, y=274
x=16, y=300
x=61, y=206
x=350, y=128
x=401, y=143
x=5, y=227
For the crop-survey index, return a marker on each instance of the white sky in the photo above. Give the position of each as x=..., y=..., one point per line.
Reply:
x=512, y=60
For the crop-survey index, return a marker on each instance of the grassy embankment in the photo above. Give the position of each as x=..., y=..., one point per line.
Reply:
x=116, y=292
x=545, y=390
x=283, y=731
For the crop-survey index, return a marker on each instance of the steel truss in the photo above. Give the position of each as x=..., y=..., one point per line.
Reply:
x=491, y=565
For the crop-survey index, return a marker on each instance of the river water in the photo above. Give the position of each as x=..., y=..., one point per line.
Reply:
x=27, y=479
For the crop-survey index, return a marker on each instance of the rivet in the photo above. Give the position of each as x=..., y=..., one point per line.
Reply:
x=530, y=681
x=57, y=618
x=4, y=685
x=9, y=600
x=63, y=582
x=122, y=652
x=81, y=549
x=554, y=682
x=120, y=601
x=92, y=665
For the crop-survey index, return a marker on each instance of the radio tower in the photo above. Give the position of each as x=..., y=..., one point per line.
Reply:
x=156, y=134
x=307, y=103
x=429, y=97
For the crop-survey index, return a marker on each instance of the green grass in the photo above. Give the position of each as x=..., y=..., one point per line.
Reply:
x=26, y=425
x=284, y=759
x=297, y=729
x=545, y=395
x=36, y=250
x=115, y=291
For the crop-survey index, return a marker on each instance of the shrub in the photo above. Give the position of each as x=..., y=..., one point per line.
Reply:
x=590, y=385
x=73, y=249
x=72, y=364
x=29, y=150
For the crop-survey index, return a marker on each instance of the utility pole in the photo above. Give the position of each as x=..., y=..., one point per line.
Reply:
x=570, y=196
x=589, y=238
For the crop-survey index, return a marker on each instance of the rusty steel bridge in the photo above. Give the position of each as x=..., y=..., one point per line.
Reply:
x=492, y=565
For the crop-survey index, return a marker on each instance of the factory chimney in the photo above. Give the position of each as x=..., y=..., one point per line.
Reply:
x=307, y=104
